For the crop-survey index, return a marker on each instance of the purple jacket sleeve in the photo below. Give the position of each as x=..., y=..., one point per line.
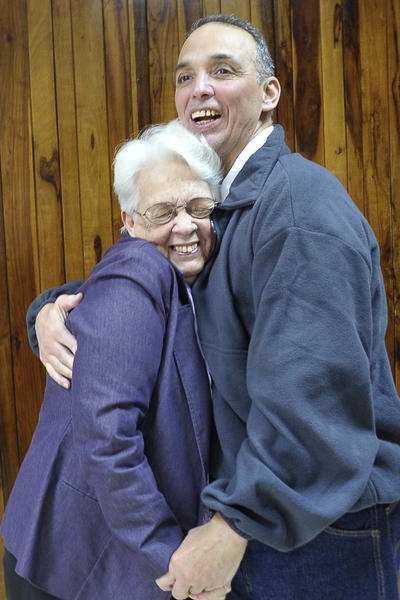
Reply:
x=120, y=328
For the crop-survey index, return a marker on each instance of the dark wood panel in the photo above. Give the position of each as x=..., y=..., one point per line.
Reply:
x=68, y=143
x=118, y=85
x=92, y=130
x=20, y=241
x=162, y=26
x=354, y=116
x=307, y=76
x=284, y=68
x=45, y=148
x=394, y=128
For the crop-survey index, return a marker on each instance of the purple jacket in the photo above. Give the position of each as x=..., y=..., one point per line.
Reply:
x=112, y=479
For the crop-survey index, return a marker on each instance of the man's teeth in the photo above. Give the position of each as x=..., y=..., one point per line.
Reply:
x=204, y=114
x=186, y=248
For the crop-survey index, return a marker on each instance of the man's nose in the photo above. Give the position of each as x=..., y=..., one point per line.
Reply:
x=203, y=85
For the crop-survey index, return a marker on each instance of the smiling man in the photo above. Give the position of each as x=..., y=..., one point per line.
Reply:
x=292, y=316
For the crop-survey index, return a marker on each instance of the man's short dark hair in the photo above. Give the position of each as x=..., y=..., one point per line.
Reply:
x=262, y=57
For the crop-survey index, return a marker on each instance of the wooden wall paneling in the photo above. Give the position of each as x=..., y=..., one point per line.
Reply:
x=19, y=229
x=163, y=57
x=353, y=101
x=119, y=85
x=94, y=165
x=68, y=143
x=308, y=78
x=239, y=8
x=284, y=68
x=188, y=12
x=140, y=77
x=211, y=7
x=394, y=120
x=45, y=143
x=8, y=424
x=333, y=89
x=376, y=146
x=262, y=17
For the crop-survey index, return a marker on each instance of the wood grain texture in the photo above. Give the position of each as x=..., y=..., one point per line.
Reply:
x=118, y=86
x=68, y=141
x=92, y=131
x=163, y=55
x=354, y=114
x=236, y=7
x=45, y=148
x=82, y=75
x=333, y=89
x=284, y=68
x=394, y=161
x=308, y=75
x=20, y=235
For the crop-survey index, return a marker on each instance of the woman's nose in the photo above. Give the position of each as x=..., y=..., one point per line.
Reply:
x=183, y=222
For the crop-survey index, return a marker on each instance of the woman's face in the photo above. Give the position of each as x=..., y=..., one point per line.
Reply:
x=185, y=240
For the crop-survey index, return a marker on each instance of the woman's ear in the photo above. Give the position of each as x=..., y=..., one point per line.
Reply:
x=128, y=222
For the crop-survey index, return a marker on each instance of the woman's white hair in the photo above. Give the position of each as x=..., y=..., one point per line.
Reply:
x=157, y=143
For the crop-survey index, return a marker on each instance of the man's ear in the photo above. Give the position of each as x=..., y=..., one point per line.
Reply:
x=128, y=222
x=271, y=94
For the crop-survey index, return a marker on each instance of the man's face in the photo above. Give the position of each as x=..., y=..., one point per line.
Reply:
x=185, y=240
x=217, y=93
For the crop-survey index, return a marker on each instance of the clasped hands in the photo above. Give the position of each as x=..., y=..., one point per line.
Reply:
x=205, y=563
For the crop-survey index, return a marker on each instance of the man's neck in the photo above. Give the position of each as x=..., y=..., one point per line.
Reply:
x=252, y=146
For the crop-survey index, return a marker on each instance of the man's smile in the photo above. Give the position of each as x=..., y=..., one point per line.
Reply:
x=204, y=116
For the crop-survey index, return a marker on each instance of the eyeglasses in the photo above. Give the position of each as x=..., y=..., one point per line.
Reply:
x=164, y=212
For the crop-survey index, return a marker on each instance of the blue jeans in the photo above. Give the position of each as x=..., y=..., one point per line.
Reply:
x=357, y=558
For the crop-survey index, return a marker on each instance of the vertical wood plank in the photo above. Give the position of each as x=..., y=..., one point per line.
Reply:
x=68, y=143
x=118, y=73
x=188, y=12
x=47, y=176
x=393, y=21
x=163, y=56
x=19, y=217
x=211, y=7
x=94, y=166
x=8, y=424
x=307, y=75
x=284, y=68
x=333, y=89
x=139, y=52
x=262, y=17
x=375, y=100
x=354, y=125
x=239, y=8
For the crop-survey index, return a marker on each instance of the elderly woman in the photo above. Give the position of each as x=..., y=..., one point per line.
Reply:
x=111, y=482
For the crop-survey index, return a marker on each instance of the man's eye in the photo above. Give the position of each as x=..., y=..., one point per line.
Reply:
x=183, y=78
x=223, y=71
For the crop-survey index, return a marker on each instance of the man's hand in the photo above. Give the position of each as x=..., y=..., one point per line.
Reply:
x=205, y=563
x=57, y=346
